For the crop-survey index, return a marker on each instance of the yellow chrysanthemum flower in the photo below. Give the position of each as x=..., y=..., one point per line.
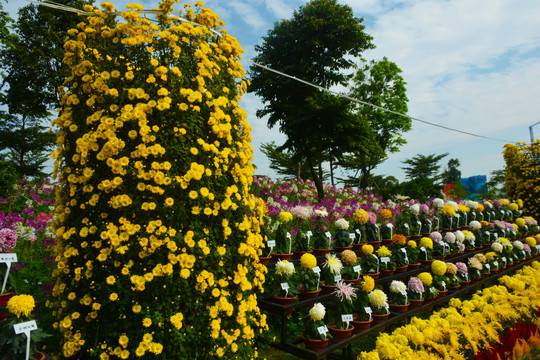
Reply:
x=438, y=267
x=20, y=305
x=425, y=278
x=426, y=242
x=349, y=257
x=285, y=216
x=308, y=261
x=361, y=216
x=383, y=251
x=368, y=284
x=367, y=249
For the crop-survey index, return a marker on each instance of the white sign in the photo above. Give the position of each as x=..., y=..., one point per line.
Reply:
x=423, y=248
x=496, y=263
x=390, y=225
x=385, y=259
x=322, y=330
x=487, y=266
x=403, y=292
x=346, y=318
x=406, y=226
x=352, y=236
x=328, y=235
x=289, y=236
x=443, y=284
x=285, y=286
x=7, y=259
x=357, y=269
x=537, y=247
x=309, y=233
x=368, y=311
x=337, y=278
x=26, y=328
x=317, y=270
x=358, y=232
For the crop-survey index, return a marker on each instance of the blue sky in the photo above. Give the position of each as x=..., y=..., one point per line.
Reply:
x=473, y=65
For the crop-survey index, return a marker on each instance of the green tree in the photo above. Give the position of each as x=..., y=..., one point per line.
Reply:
x=452, y=174
x=320, y=41
x=380, y=83
x=423, y=176
x=495, y=186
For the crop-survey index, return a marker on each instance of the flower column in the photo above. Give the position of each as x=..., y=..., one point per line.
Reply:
x=158, y=236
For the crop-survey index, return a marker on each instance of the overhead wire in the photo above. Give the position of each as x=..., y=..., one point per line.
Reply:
x=54, y=5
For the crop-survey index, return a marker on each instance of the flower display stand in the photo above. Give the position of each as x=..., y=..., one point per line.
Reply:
x=298, y=347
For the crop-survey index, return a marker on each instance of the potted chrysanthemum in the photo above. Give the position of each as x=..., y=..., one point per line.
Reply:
x=8, y=240
x=362, y=309
x=451, y=239
x=448, y=213
x=476, y=228
x=413, y=252
x=399, y=255
x=426, y=248
x=302, y=240
x=342, y=240
x=283, y=291
x=492, y=261
x=309, y=277
x=451, y=279
x=415, y=292
x=331, y=273
x=283, y=237
x=12, y=345
x=379, y=303
x=399, y=300
x=430, y=292
x=440, y=248
x=369, y=262
x=463, y=274
x=519, y=250
x=351, y=267
x=316, y=333
x=438, y=269
x=387, y=226
x=485, y=266
x=387, y=265
x=470, y=240
x=360, y=218
x=498, y=248
x=373, y=233
x=341, y=327
x=531, y=241
x=475, y=269
x=321, y=235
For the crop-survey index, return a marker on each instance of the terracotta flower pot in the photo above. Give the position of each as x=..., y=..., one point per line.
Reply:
x=298, y=254
x=454, y=288
x=414, y=266
x=377, y=319
x=285, y=301
x=399, y=308
x=464, y=284
x=374, y=275
x=401, y=269
x=375, y=244
x=425, y=261
x=360, y=326
x=387, y=241
x=357, y=247
x=340, y=249
x=495, y=271
x=353, y=282
x=264, y=259
x=304, y=295
x=442, y=293
x=320, y=252
x=327, y=289
x=339, y=335
x=387, y=272
x=276, y=256
x=415, y=303
x=38, y=355
x=315, y=345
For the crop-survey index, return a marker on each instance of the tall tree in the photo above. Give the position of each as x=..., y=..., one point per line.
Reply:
x=317, y=44
x=423, y=176
x=33, y=72
x=452, y=174
x=380, y=83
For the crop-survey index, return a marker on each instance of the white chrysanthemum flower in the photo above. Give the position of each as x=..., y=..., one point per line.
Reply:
x=377, y=298
x=450, y=237
x=321, y=212
x=488, y=205
x=475, y=225
x=398, y=286
x=453, y=204
x=333, y=264
x=497, y=247
x=415, y=208
x=284, y=268
x=302, y=212
x=438, y=203
x=460, y=237
x=342, y=224
x=317, y=312
x=471, y=204
x=518, y=245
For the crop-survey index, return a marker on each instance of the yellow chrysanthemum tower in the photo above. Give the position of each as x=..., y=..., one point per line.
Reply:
x=157, y=233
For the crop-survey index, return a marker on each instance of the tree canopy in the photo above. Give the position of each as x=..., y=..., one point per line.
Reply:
x=317, y=44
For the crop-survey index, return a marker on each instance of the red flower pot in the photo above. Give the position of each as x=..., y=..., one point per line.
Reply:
x=442, y=293
x=276, y=256
x=339, y=335
x=415, y=303
x=339, y=249
x=285, y=301
x=377, y=319
x=464, y=284
x=399, y=308
x=360, y=326
x=304, y=295
x=264, y=259
x=414, y=266
x=401, y=269
x=327, y=289
x=315, y=345
x=353, y=282
x=374, y=275
x=387, y=272
x=320, y=252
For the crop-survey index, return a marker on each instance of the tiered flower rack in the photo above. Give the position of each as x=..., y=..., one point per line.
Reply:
x=291, y=346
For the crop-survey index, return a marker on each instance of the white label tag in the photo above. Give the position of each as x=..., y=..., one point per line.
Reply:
x=317, y=270
x=337, y=278
x=289, y=236
x=496, y=236
x=358, y=231
x=322, y=329
x=385, y=259
x=285, y=286
x=406, y=226
x=271, y=243
x=346, y=317
x=8, y=258
x=537, y=247
x=419, y=222
x=487, y=266
x=458, y=216
x=309, y=233
x=25, y=327
x=328, y=235
x=404, y=250
x=496, y=263
x=352, y=236
x=390, y=225
x=403, y=292
x=357, y=269
x=443, y=283
x=368, y=310
x=423, y=248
